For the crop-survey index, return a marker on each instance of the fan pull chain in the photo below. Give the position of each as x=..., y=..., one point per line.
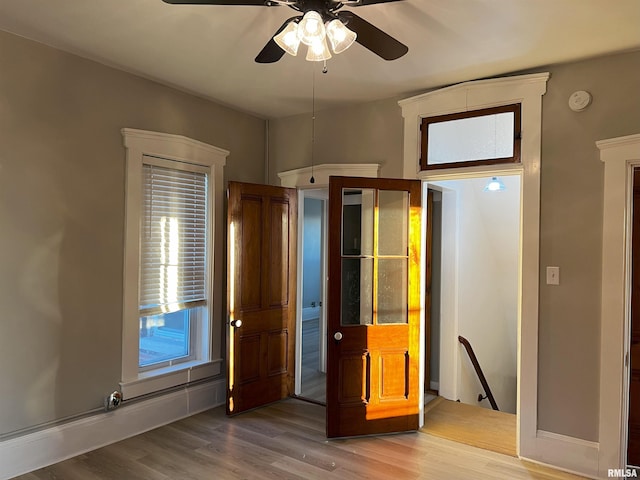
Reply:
x=313, y=121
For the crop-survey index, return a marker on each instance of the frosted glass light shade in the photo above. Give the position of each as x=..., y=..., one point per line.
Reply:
x=311, y=28
x=288, y=39
x=340, y=36
x=319, y=51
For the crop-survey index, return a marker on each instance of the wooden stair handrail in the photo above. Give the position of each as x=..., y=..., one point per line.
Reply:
x=476, y=366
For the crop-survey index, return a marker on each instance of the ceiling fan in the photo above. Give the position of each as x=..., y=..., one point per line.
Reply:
x=319, y=20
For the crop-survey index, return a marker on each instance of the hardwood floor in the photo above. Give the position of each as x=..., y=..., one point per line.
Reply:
x=314, y=384
x=285, y=440
x=472, y=425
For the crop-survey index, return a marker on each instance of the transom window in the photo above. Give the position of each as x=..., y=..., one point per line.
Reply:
x=480, y=137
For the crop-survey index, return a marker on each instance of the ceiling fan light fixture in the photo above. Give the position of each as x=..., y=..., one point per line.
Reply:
x=311, y=28
x=339, y=35
x=318, y=51
x=288, y=39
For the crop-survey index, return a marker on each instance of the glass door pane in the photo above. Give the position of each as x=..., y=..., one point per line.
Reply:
x=374, y=250
x=358, y=209
x=393, y=222
x=392, y=290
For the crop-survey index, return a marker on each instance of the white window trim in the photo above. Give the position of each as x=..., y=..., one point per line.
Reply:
x=526, y=90
x=139, y=143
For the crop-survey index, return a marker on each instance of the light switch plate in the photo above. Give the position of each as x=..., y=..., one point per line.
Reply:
x=553, y=275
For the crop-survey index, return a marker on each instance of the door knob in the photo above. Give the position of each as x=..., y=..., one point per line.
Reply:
x=236, y=323
x=337, y=336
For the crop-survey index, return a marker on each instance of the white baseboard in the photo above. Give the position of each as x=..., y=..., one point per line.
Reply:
x=570, y=454
x=39, y=449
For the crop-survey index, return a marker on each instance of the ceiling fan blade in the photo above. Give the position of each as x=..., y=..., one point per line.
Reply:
x=371, y=37
x=218, y=2
x=362, y=3
x=272, y=52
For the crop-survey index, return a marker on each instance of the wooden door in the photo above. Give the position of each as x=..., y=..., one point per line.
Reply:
x=262, y=242
x=633, y=444
x=374, y=306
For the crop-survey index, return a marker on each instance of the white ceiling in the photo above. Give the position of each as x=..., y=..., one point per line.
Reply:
x=209, y=50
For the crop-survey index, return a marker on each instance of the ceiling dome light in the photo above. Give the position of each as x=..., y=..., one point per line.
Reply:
x=340, y=36
x=319, y=51
x=311, y=28
x=494, y=185
x=288, y=39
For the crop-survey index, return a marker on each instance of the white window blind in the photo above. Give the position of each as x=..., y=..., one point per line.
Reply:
x=174, y=240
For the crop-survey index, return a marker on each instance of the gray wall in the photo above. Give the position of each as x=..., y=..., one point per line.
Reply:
x=367, y=133
x=62, y=166
x=572, y=178
x=571, y=211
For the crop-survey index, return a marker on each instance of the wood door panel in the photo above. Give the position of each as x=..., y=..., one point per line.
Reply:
x=249, y=353
x=262, y=259
x=278, y=253
x=394, y=375
x=354, y=378
x=277, y=348
x=250, y=263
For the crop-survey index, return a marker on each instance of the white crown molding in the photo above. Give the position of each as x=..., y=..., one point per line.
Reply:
x=300, y=177
x=538, y=80
x=619, y=148
x=177, y=147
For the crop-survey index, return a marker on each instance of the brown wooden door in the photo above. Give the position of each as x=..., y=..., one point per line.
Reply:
x=373, y=306
x=262, y=243
x=633, y=444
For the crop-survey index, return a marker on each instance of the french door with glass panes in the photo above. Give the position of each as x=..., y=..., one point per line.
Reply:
x=374, y=306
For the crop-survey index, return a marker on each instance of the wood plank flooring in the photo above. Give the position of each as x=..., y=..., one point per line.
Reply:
x=472, y=425
x=313, y=385
x=285, y=440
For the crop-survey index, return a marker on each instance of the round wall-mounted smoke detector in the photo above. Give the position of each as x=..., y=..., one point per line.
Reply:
x=579, y=100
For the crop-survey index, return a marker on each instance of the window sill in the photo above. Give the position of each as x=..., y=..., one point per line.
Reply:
x=156, y=380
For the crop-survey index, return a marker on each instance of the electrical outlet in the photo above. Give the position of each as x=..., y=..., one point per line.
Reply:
x=553, y=275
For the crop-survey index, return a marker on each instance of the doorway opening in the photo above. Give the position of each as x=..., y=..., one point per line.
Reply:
x=312, y=297
x=474, y=293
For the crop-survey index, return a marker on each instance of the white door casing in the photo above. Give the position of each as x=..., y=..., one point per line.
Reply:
x=526, y=90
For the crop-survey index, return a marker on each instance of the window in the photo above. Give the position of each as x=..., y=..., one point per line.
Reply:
x=172, y=282
x=491, y=136
x=173, y=261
